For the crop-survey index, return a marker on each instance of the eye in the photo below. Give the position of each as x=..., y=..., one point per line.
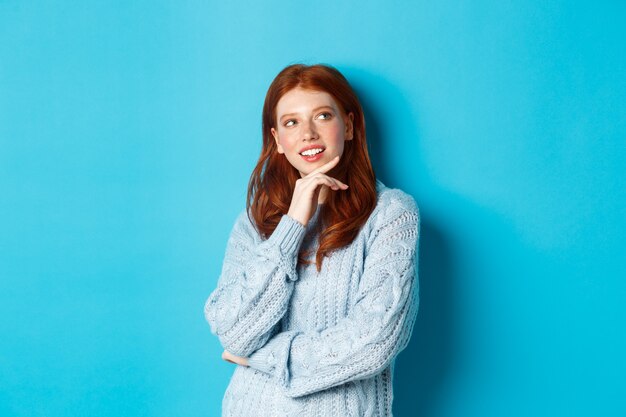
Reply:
x=289, y=123
x=326, y=115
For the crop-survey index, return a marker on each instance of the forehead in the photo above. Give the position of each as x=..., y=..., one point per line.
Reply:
x=301, y=100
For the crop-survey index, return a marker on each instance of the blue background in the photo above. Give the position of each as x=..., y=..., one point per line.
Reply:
x=128, y=131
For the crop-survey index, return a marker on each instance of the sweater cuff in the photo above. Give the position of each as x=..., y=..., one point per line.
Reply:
x=289, y=234
x=284, y=243
x=272, y=357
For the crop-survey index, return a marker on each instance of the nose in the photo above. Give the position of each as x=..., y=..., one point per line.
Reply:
x=309, y=132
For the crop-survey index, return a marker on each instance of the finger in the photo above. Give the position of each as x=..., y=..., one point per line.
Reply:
x=322, y=179
x=333, y=180
x=324, y=168
x=227, y=357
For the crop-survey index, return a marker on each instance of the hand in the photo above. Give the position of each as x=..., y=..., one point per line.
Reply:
x=307, y=189
x=238, y=360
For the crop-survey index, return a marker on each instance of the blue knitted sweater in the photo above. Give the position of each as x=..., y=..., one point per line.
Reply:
x=319, y=344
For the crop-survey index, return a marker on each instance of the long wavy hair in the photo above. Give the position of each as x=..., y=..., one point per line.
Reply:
x=273, y=180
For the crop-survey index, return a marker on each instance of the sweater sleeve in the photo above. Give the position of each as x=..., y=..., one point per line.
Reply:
x=377, y=328
x=255, y=284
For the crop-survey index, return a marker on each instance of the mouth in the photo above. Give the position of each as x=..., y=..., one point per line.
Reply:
x=312, y=154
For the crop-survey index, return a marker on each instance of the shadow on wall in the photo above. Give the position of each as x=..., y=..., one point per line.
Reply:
x=422, y=367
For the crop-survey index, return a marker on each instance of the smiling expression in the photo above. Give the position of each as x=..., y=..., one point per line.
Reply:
x=309, y=121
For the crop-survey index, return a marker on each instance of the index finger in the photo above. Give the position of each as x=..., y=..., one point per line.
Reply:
x=326, y=167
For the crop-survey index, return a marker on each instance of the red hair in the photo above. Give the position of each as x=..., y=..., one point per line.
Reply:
x=273, y=180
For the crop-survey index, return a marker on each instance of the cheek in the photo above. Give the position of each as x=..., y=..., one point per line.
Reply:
x=287, y=139
x=334, y=131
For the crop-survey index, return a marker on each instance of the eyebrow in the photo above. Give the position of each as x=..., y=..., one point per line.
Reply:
x=314, y=110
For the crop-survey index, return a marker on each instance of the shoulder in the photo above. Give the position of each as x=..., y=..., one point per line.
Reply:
x=244, y=228
x=394, y=202
x=396, y=218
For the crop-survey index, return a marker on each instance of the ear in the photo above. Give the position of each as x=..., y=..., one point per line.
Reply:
x=350, y=126
x=275, y=134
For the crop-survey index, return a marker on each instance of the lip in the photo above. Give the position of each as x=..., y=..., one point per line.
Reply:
x=306, y=148
x=313, y=158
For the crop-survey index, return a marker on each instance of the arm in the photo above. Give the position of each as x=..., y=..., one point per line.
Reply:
x=377, y=328
x=255, y=284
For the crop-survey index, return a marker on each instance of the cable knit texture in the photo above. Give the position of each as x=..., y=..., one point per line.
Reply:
x=319, y=344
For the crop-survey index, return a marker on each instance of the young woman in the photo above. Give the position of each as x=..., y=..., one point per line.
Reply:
x=319, y=291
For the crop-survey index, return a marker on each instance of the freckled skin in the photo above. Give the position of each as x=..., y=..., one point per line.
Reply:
x=307, y=117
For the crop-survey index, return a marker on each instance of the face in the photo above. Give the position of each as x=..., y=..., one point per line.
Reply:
x=310, y=121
